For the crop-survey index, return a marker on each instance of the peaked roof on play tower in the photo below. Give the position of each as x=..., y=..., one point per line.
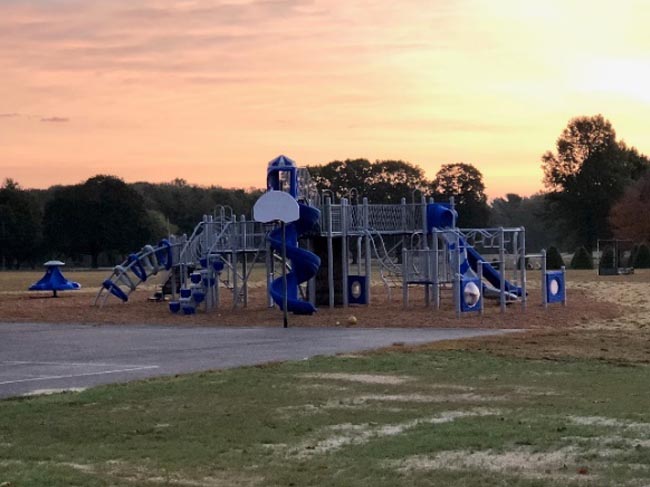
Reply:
x=281, y=162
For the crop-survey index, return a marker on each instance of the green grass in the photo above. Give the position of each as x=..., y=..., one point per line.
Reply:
x=456, y=418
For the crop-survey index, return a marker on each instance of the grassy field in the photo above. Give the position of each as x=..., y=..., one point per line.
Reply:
x=420, y=417
x=559, y=407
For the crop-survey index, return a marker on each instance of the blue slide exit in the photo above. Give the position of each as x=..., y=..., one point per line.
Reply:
x=442, y=217
x=490, y=274
x=304, y=264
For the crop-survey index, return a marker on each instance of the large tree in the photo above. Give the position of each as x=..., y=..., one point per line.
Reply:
x=381, y=182
x=20, y=225
x=343, y=178
x=586, y=175
x=390, y=181
x=465, y=184
x=103, y=214
x=628, y=216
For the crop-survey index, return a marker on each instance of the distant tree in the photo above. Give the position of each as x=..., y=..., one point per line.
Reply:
x=582, y=259
x=183, y=205
x=101, y=215
x=554, y=259
x=465, y=184
x=20, y=225
x=587, y=174
x=528, y=212
x=625, y=215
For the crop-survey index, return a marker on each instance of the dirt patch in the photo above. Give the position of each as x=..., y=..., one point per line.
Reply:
x=375, y=401
x=430, y=398
x=48, y=392
x=522, y=462
x=608, y=422
x=358, y=434
x=361, y=378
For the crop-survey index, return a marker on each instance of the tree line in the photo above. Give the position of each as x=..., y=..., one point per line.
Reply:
x=596, y=186
x=103, y=217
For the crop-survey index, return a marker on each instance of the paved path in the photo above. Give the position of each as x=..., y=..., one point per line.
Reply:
x=39, y=357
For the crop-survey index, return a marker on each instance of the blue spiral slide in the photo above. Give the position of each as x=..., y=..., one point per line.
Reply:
x=304, y=264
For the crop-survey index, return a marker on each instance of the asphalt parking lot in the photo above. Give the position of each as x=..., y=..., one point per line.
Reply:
x=41, y=358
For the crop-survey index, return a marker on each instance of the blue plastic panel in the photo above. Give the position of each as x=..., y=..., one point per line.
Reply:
x=357, y=286
x=471, y=294
x=555, y=287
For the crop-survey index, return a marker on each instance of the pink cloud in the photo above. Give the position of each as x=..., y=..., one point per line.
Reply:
x=55, y=119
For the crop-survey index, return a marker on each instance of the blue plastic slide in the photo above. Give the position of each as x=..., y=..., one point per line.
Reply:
x=442, y=217
x=490, y=274
x=304, y=264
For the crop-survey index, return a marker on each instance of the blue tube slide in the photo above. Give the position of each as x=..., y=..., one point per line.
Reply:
x=304, y=264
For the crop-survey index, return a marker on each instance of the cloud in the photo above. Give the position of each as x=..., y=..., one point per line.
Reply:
x=55, y=119
x=9, y=115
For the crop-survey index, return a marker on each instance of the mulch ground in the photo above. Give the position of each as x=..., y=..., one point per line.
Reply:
x=78, y=307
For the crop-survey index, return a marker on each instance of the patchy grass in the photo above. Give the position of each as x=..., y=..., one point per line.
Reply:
x=427, y=417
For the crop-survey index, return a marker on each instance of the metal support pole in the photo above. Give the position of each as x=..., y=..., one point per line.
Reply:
x=368, y=262
x=244, y=259
x=245, y=274
x=479, y=268
x=359, y=254
x=405, y=285
x=524, y=297
x=285, y=298
x=544, y=290
x=344, y=250
x=425, y=230
x=436, y=276
x=330, y=252
x=312, y=282
x=457, y=276
x=269, y=273
x=234, y=263
x=217, y=291
x=502, y=278
x=427, y=276
x=515, y=253
x=563, y=268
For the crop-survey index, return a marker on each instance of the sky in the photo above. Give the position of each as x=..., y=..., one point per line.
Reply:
x=211, y=90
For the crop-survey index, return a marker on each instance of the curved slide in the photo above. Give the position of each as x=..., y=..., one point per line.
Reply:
x=470, y=259
x=442, y=217
x=304, y=264
x=490, y=274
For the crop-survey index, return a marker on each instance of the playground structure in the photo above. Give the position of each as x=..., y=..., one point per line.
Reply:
x=343, y=245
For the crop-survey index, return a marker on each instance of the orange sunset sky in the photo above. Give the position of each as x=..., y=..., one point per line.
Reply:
x=209, y=91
